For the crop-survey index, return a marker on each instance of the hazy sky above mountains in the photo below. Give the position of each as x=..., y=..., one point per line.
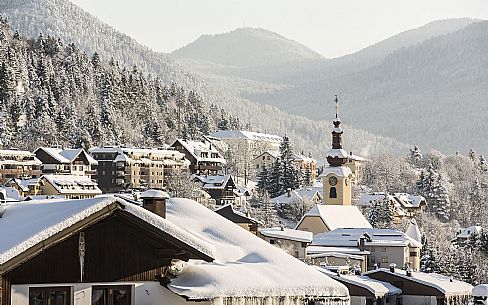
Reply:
x=332, y=28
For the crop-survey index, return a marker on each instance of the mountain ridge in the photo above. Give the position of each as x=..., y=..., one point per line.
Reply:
x=244, y=42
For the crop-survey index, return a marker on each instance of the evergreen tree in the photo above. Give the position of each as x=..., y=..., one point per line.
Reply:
x=263, y=180
x=415, y=155
x=374, y=214
x=267, y=213
x=275, y=180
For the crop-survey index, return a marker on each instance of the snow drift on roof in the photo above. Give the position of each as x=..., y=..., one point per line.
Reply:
x=286, y=233
x=378, y=288
x=413, y=230
x=480, y=290
x=26, y=224
x=339, y=216
x=263, y=270
x=444, y=284
x=340, y=171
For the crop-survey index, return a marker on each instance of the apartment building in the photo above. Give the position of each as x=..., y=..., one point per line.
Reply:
x=18, y=164
x=122, y=168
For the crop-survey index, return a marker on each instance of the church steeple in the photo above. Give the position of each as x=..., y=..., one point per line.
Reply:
x=337, y=156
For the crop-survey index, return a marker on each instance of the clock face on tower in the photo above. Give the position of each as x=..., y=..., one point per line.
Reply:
x=333, y=181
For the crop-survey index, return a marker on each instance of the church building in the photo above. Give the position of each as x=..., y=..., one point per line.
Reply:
x=336, y=211
x=337, y=177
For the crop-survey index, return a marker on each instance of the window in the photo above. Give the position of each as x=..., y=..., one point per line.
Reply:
x=304, y=244
x=333, y=192
x=264, y=157
x=272, y=241
x=383, y=249
x=111, y=295
x=49, y=296
x=413, y=253
x=384, y=259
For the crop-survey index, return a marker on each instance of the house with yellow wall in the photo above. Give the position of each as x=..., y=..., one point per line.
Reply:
x=69, y=186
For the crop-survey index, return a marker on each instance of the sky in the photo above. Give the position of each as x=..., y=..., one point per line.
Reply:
x=331, y=28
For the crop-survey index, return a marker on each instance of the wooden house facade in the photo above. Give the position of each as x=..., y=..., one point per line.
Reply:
x=97, y=259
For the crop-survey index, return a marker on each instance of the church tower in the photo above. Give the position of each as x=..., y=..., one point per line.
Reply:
x=337, y=178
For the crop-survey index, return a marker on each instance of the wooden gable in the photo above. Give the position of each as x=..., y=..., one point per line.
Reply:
x=118, y=247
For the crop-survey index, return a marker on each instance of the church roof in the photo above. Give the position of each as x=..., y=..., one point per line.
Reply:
x=340, y=171
x=338, y=216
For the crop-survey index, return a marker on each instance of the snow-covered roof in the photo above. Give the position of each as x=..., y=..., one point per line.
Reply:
x=355, y=157
x=273, y=153
x=154, y=194
x=72, y=184
x=248, y=135
x=311, y=250
x=55, y=153
x=303, y=193
x=267, y=270
x=213, y=182
x=15, y=152
x=346, y=237
x=337, y=153
x=480, y=290
x=28, y=223
x=339, y=216
x=286, y=233
x=125, y=154
x=10, y=194
x=339, y=171
x=196, y=148
x=467, y=232
x=72, y=154
x=446, y=285
x=413, y=230
x=24, y=157
x=409, y=200
x=299, y=157
x=378, y=288
x=400, y=200
x=23, y=183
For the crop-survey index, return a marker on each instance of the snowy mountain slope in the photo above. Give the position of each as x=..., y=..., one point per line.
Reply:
x=245, y=47
x=422, y=94
x=409, y=87
x=60, y=17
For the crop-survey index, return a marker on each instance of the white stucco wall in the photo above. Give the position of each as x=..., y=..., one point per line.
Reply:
x=143, y=293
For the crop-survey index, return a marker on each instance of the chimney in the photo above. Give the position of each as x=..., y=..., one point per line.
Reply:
x=155, y=201
x=350, y=153
x=392, y=267
x=362, y=240
x=288, y=192
x=357, y=271
x=409, y=271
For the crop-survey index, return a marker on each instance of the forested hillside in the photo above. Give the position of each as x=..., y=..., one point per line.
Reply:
x=416, y=87
x=60, y=18
x=55, y=94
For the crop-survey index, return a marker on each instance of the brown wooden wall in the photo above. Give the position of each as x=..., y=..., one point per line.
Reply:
x=117, y=249
x=408, y=287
